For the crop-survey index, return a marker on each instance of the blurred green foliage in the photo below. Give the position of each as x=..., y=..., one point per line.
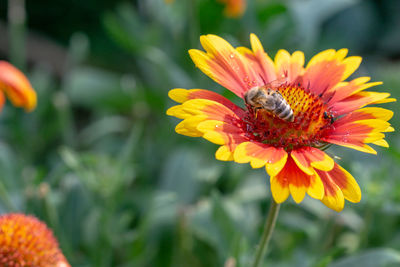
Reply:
x=99, y=160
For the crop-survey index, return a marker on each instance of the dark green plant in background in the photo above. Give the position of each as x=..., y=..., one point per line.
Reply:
x=99, y=161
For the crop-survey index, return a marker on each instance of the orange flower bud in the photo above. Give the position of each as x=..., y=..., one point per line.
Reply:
x=16, y=86
x=234, y=8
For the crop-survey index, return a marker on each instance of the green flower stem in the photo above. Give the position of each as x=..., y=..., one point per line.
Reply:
x=267, y=233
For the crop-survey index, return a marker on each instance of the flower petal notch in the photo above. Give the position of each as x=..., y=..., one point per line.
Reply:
x=26, y=241
x=17, y=87
x=290, y=113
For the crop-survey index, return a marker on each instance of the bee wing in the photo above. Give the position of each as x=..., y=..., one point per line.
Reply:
x=275, y=83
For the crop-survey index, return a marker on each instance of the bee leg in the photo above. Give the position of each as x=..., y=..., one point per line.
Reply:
x=255, y=111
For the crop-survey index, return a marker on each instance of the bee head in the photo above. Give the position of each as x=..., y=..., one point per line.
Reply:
x=250, y=96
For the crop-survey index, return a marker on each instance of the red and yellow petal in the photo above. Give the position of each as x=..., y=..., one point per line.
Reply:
x=262, y=63
x=302, y=162
x=326, y=69
x=224, y=153
x=203, y=107
x=219, y=132
x=17, y=87
x=308, y=158
x=346, y=89
x=279, y=188
x=331, y=187
x=298, y=191
x=353, y=144
x=339, y=185
x=259, y=154
x=367, y=113
x=289, y=66
x=360, y=127
x=355, y=134
x=188, y=126
x=196, y=111
x=316, y=187
x=212, y=121
x=182, y=95
x=346, y=182
x=359, y=100
x=382, y=143
x=291, y=179
x=333, y=197
x=265, y=64
x=222, y=133
x=225, y=65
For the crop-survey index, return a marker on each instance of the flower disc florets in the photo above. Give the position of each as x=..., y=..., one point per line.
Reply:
x=311, y=118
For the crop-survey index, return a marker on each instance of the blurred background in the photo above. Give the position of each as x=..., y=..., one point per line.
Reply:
x=100, y=163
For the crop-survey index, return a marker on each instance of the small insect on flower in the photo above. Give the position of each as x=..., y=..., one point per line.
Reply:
x=269, y=99
x=329, y=116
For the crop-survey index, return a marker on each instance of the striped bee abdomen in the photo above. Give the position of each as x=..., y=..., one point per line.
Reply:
x=283, y=109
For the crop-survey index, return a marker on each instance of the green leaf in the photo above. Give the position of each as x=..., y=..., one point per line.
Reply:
x=372, y=258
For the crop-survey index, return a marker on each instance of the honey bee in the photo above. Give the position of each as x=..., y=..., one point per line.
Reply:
x=265, y=97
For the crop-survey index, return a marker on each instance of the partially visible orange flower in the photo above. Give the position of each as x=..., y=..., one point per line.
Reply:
x=316, y=107
x=26, y=241
x=234, y=8
x=16, y=86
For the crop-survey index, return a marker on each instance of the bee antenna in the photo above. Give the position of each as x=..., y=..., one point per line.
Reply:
x=330, y=97
x=326, y=89
x=262, y=78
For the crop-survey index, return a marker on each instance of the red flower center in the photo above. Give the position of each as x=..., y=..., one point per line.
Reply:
x=311, y=119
